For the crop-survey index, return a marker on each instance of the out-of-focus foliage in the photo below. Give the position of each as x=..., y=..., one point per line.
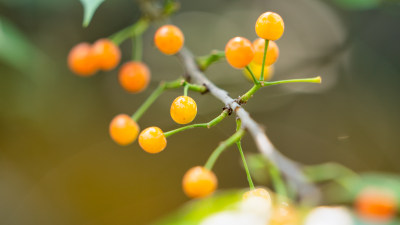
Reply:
x=194, y=212
x=89, y=7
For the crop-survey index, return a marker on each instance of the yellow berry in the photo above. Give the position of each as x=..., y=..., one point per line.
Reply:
x=258, y=192
x=199, y=182
x=123, y=130
x=270, y=26
x=239, y=52
x=152, y=140
x=183, y=110
x=169, y=39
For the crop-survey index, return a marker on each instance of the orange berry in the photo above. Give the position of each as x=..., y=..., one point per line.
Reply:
x=272, y=52
x=199, y=182
x=134, y=76
x=107, y=54
x=123, y=130
x=256, y=69
x=183, y=109
x=284, y=214
x=239, y=52
x=258, y=192
x=81, y=60
x=270, y=26
x=169, y=39
x=375, y=204
x=152, y=140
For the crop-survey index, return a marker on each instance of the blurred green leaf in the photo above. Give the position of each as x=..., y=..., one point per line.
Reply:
x=195, y=211
x=89, y=7
x=15, y=49
x=357, y=4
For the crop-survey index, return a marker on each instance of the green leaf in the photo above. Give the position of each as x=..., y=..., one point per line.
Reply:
x=195, y=211
x=89, y=7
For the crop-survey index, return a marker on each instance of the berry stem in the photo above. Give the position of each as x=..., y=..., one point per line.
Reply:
x=185, y=89
x=131, y=31
x=222, y=146
x=252, y=75
x=263, y=62
x=205, y=61
x=137, y=48
x=159, y=90
x=304, y=80
x=212, y=123
x=239, y=145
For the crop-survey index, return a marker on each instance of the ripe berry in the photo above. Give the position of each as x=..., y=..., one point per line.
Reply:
x=152, y=140
x=199, y=182
x=375, y=204
x=256, y=69
x=169, y=39
x=183, y=110
x=272, y=52
x=239, y=52
x=106, y=53
x=284, y=214
x=259, y=192
x=270, y=26
x=81, y=60
x=134, y=76
x=123, y=130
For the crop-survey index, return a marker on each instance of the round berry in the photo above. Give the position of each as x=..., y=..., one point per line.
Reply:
x=106, y=53
x=123, y=130
x=199, y=182
x=272, y=52
x=284, y=214
x=239, y=52
x=134, y=76
x=256, y=69
x=152, y=140
x=81, y=60
x=270, y=26
x=376, y=204
x=183, y=109
x=169, y=39
x=258, y=192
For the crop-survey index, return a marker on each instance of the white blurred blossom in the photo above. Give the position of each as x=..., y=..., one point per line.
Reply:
x=324, y=215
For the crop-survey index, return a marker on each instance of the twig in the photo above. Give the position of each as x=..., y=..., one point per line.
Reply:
x=289, y=169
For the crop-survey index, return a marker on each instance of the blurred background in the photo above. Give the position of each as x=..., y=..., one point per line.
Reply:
x=59, y=166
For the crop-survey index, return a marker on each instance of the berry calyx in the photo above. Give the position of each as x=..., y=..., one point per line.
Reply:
x=106, y=53
x=376, y=204
x=169, y=39
x=256, y=69
x=152, y=140
x=123, y=130
x=239, y=52
x=199, y=182
x=81, y=60
x=134, y=76
x=270, y=26
x=258, y=192
x=272, y=52
x=183, y=109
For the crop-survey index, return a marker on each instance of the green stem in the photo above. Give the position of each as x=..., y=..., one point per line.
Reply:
x=244, y=98
x=131, y=31
x=304, y=80
x=263, y=62
x=212, y=123
x=222, y=146
x=277, y=181
x=205, y=61
x=185, y=89
x=256, y=82
x=137, y=48
x=239, y=145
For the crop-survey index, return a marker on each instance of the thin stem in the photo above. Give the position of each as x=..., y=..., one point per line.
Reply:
x=263, y=62
x=185, y=89
x=137, y=48
x=212, y=123
x=205, y=61
x=304, y=80
x=252, y=75
x=195, y=87
x=222, y=146
x=131, y=31
x=277, y=181
x=239, y=145
x=244, y=98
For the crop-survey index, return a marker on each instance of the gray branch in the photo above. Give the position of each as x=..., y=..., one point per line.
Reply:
x=291, y=170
